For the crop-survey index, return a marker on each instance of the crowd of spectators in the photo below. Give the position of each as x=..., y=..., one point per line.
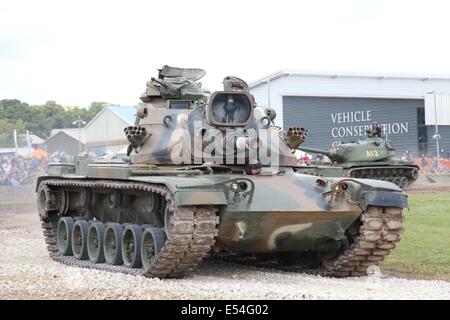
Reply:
x=18, y=170
x=312, y=159
x=431, y=164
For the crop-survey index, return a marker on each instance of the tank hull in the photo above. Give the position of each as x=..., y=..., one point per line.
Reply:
x=281, y=212
x=402, y=174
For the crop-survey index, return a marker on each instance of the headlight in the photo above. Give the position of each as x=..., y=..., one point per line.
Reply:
x=234, y=187
x=243, y=186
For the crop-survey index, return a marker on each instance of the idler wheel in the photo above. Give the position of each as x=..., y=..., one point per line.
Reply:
x=113, y=243
x=414, y=174
x=131, y=246
x=153, y=240
x=79, y=239
x=42, y=201
x=64, y=236
x=95, y=243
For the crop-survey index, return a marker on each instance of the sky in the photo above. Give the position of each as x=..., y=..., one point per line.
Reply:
x=76, y=52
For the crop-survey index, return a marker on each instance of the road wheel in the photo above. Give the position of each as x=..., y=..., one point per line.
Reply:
x=79, y=239
x=404, y=182
x=113, y=243
x=153, y=240
x=64, y=236
x=398, y=182
x=96, y=235
x=131, y=246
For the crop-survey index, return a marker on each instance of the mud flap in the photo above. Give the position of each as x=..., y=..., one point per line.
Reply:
x=383, y=199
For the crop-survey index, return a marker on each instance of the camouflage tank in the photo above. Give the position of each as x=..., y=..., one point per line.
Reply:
x=369, y=158
x=212, y=176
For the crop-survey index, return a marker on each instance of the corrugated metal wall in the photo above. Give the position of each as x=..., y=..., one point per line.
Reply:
x=345, y=86
x=331, y=119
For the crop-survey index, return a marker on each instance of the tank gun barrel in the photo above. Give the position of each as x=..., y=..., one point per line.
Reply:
x=333, y=156
x=314, y=150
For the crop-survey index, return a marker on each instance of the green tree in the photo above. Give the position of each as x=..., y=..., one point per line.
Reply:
x=7, y=127
x=7, y=131
x=41, y=119
x=13, y=109
x=95, y=108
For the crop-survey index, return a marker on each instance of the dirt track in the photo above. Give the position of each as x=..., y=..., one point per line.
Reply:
x=26, y=272
x=428, y=189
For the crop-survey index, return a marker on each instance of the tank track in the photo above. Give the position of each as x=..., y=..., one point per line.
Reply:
x=379, y=233
x=392, y=174
x=190, y=240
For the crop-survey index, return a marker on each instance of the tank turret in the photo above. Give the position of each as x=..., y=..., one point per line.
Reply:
x=178, y=123
x=371, y=149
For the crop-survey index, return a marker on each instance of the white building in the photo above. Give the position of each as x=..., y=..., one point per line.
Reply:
x=104, y=133
x=71, y=141
x=339, y=106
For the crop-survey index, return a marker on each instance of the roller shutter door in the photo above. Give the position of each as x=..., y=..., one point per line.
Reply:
x=331, y=119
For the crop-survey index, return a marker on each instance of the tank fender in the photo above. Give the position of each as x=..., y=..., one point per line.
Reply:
x=383, y=199
x=187, y=192
x=199, y=197
x=377, y=184
x=369, y=192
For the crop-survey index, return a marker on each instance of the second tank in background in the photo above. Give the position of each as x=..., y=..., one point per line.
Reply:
x=370, y=158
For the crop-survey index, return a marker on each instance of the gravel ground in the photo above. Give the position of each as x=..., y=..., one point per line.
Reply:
x=26, y=272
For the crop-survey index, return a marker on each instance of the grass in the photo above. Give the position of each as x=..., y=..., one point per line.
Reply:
x=424, y=250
